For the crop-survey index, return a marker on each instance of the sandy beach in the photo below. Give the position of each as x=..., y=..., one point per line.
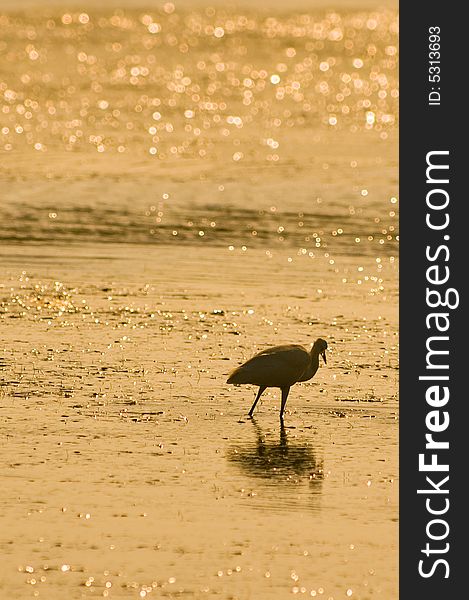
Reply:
x=132, y=281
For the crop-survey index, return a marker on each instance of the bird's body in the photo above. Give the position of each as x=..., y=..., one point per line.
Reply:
x=276, y=367
x=280, y=366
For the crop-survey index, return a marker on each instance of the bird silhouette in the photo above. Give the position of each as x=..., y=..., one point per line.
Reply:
x=280, y=366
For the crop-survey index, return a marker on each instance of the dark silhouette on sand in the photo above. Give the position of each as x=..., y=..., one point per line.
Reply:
x=280, y=366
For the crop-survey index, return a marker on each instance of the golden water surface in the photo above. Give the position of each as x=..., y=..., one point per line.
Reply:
x=180, y=188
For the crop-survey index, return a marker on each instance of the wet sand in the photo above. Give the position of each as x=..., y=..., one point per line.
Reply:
x=128, y=291
x=129, y=463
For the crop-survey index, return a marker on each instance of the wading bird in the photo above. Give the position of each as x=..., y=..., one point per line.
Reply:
x=280, y=366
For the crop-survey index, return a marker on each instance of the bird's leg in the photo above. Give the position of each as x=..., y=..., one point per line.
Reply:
x=285, y=391
x=259, y=394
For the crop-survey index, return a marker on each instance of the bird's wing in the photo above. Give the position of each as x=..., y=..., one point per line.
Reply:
x=274, y=367
x=293, y=352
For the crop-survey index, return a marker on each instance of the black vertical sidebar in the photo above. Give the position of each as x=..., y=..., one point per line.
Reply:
x=434, y=260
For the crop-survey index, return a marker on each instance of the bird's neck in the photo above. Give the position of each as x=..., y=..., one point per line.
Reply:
x=314, y=358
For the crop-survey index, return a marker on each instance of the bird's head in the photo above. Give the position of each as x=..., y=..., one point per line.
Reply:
x=320, y=347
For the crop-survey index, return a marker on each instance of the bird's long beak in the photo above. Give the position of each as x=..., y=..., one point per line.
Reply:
x=323, y=354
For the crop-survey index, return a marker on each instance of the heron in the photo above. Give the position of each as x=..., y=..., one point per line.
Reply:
x=280, y=367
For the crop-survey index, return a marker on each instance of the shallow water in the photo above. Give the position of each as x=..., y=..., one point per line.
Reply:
x=114, y=406
x=131, y=284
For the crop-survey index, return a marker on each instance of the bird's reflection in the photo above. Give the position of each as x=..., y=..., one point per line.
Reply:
x=280, y=461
